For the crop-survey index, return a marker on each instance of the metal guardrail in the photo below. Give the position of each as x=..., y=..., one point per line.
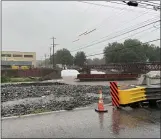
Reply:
x=134, y=95
x=153, y=93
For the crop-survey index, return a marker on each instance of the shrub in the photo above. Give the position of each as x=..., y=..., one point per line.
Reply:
x=5, y=79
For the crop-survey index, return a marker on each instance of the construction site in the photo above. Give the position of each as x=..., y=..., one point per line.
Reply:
x=68, y=94
x=114, y=95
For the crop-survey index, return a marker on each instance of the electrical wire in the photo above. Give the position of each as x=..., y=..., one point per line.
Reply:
x=116, y=36
x=90, y=16
x=83, y=12
x=101, y=24
x=126, y=29
x=156, y=7
x=117, y=8
x=122, y=48
x=92, y=30
x=156, y=26
x=139, y=6
x=150, y=2
x=104, y=20
x=135, y=34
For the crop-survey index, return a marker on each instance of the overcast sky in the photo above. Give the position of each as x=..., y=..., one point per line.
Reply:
x=28, y=26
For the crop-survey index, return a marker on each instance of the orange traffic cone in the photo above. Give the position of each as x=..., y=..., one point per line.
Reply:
x=100, y=103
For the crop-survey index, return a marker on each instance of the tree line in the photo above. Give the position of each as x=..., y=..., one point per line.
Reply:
x=131, y=50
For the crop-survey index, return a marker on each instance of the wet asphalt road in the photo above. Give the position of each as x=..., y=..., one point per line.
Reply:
x=86, y=123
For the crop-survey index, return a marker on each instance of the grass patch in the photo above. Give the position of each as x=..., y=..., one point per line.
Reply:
x=5, y=79
x=22, y=79
x=13, y=80
x=36, y=111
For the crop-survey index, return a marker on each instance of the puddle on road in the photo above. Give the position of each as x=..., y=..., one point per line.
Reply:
x=122, y=122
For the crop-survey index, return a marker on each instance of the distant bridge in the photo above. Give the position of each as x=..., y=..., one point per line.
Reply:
x=135, y=67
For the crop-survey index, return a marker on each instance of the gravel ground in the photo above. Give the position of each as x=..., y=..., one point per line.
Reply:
x=26, y=98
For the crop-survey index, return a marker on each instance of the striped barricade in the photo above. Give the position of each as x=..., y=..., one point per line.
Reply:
x=132, y=97
x=128, y=96
x=114, y=94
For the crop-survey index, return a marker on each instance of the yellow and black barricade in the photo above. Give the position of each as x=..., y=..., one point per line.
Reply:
x=127, y=96
x=135, y=95
x=114, y=94
x=132, y=95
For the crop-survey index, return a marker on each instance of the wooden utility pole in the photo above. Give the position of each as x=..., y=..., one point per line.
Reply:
x=53, y=51
x=50, y=55
x=45, y=60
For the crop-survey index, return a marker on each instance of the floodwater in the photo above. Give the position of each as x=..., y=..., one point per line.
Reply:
x=86, y=123
x=72, y=80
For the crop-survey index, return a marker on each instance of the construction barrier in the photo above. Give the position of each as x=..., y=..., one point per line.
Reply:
x=114, y=94
x=133, y=95
x=153, y=93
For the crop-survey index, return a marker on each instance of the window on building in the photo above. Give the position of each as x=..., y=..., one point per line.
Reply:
x=28, y=56
x=17, y=55
x=5, y=55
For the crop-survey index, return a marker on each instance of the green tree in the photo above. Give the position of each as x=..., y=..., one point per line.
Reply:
x=111, y=52
x=80, y=58
x=132, y=50
x=95, y=61
x=89, y=61
x=63, y=57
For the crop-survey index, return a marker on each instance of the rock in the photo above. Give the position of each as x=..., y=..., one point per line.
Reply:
x=52, y=96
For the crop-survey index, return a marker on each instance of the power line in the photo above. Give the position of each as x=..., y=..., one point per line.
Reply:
x=156, y=7
x=100, y=24
x=136, y=34
x=122, y=48
x=150, y=2
x=156, y=26
x=85, y=33
x=126, y=28
x=140, y=6
x=116, y=36
x=117, y=8
x=95, y=27
x=133, y=26
x=90, y=16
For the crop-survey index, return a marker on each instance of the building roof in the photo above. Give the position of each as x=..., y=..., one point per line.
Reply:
x=20, y=63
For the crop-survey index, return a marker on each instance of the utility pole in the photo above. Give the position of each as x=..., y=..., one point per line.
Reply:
x=53, y=51
x=45, y=60
x=50, y=55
